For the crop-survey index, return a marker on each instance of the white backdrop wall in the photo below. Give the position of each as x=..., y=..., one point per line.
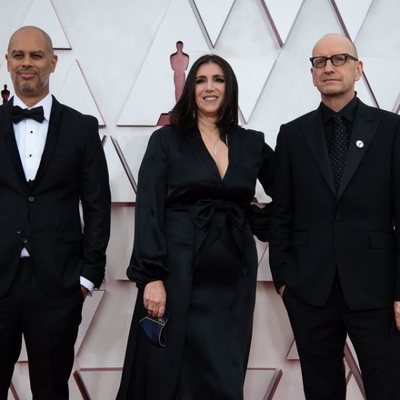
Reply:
x=114, y=63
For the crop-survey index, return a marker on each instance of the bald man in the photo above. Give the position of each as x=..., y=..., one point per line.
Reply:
x=51, y=161
x=334, y=249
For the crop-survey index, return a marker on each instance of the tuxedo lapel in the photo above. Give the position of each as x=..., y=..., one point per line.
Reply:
x=51, y=139
x=7, y=131
x=314, y=135
x=363, y=132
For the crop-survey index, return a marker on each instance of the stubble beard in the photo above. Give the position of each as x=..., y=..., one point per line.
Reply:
x=29, y=89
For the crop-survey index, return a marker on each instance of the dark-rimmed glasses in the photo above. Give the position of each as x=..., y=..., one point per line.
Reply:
x=337, y=60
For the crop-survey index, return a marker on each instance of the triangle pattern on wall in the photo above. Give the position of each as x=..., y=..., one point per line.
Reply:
x=123, y=181
x=88, y=313
x=282, y=16
x=75, y=93
x=251, y=75
x=41, y=13
x=213, y=15
x=384, y=79
x=261, y=383
x=352, y=14
x=178, y=24
x=264, y=271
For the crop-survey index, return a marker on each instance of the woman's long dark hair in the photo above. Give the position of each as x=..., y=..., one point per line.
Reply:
x=184, y=114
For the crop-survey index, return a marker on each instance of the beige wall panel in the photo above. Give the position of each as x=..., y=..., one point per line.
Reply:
x=114, y=63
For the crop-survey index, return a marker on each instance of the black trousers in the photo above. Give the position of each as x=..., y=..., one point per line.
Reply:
x=320, y=334
x=49, y=326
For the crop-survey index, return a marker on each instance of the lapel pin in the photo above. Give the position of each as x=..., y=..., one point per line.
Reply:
x=360, y=144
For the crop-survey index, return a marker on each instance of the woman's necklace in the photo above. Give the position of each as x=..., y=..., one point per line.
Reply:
x=216, y=147
x=214, y=143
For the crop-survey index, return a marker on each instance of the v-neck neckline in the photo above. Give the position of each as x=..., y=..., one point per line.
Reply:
x=209, y=158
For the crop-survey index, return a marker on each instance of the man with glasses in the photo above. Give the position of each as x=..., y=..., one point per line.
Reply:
x=334, y=249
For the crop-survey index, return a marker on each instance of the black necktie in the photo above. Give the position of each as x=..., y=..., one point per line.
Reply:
x=338, y=148
x=18, y=114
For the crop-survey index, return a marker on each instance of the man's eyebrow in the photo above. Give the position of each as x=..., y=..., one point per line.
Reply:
x=38, y=51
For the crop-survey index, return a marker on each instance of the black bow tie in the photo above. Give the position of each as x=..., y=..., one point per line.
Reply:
x=18, y=114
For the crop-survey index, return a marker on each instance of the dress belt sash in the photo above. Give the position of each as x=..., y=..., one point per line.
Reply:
x=207, y=232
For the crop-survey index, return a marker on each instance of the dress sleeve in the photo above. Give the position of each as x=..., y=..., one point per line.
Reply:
x=265, y=176
x=260, y=217
x=149, y=249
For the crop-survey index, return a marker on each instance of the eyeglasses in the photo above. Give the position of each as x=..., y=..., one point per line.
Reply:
x=336, y=60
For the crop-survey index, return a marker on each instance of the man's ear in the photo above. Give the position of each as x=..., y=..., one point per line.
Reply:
x=8, y=64
x=53, y=62
x=313, y=80
x=359, y=70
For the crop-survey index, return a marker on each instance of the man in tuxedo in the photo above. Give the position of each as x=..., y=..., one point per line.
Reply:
x=51, y=164
x=334, y=249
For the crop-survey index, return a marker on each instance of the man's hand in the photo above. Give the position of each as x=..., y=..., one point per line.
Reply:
x=154, y=298
x=84, y=292
x=281, y=290
x=397, y=313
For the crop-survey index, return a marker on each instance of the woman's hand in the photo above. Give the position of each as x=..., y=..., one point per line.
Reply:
x=154, y=298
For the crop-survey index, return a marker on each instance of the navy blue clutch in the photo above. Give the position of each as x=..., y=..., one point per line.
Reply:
x=154, y=328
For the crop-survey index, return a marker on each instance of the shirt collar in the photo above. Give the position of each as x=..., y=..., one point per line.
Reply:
x=46, y=103
x=346, y=112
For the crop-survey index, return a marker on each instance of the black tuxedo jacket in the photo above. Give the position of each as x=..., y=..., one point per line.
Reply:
x=44, y=216
x=317, y=231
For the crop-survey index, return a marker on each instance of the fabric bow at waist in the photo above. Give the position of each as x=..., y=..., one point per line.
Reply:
x=203, y=214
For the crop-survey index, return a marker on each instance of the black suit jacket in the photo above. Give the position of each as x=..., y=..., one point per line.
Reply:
x=317, y=231
x=45, y=216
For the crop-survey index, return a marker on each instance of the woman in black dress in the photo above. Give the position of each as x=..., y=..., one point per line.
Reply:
x=194, y=254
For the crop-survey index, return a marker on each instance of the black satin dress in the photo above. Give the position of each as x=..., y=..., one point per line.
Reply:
x=192, y=230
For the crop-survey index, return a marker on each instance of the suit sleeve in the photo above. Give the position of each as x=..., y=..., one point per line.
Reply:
x=149, y=249
x=96, y=206
x=282, y=209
